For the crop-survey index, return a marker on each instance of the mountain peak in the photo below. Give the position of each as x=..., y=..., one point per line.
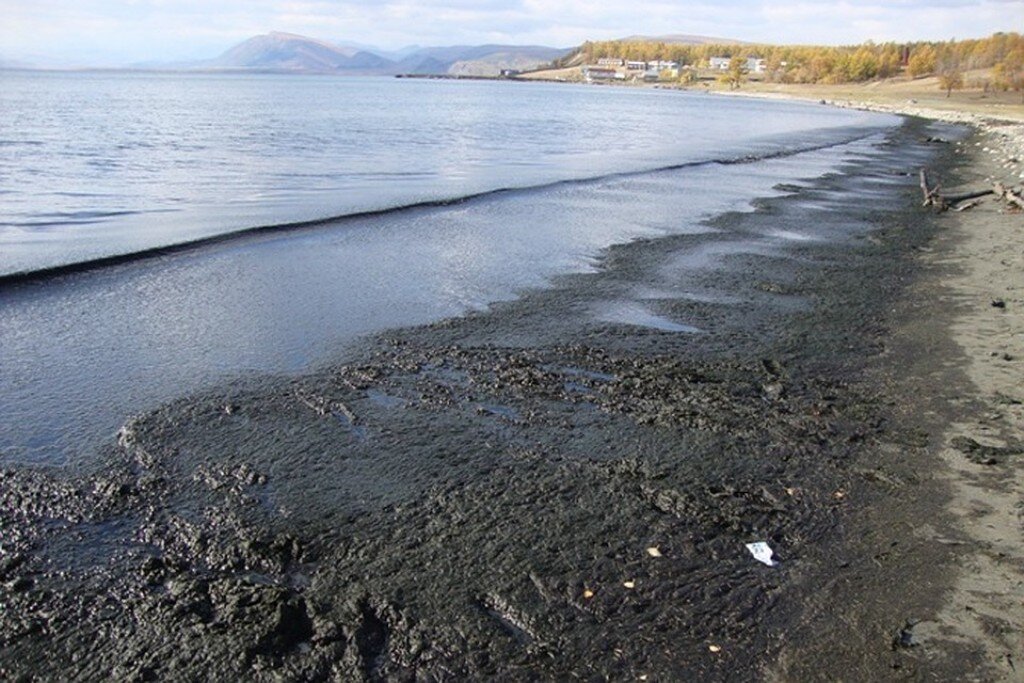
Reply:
x=290, y=52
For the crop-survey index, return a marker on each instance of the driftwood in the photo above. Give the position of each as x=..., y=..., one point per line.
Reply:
x=930, y=194
x=952, y=199
x=944, y=202
x=1009, y=194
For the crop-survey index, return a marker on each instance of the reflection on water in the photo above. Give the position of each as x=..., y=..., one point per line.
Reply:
x=96, y=164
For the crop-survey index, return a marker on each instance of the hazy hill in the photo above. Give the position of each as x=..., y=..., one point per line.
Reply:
x=13, y=64
x=478, y=60
x=290, y=52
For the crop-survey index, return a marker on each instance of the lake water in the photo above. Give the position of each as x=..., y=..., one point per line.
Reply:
x=94, y=165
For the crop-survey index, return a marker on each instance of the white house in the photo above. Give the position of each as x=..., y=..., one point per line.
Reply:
x=756, y=65
x=599, y=73
x=719, y=63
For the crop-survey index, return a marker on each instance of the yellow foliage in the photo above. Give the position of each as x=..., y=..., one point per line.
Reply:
x=825, y=64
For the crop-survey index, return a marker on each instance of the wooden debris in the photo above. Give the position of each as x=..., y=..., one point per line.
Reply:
x=931, y=195
x=1008, y=194
x=957, y=198
x=943, y=202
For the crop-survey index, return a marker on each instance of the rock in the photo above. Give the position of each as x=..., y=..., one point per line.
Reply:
x=904, y=638
x=20, y=584
x=981, y=454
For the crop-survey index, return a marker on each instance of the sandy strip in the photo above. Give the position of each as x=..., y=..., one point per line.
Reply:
x=969, y=402
x=986, y=610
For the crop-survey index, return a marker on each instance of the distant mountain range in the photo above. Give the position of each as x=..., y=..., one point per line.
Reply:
x=294, y=53
x=288, y=52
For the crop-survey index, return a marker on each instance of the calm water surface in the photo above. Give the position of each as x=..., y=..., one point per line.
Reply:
x=94, y=164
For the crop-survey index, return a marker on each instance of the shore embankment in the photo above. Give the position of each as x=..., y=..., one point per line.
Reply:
x=538, y=491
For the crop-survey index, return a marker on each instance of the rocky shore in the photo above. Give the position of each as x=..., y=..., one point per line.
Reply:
x=529, y=492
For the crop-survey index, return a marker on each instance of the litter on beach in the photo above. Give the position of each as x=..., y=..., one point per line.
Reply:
x=762, y=553
x=653, y=551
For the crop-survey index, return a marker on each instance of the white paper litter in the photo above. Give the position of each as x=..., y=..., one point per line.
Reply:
x=762, y=553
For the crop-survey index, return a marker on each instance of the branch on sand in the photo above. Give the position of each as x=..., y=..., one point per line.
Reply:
x=943, y=202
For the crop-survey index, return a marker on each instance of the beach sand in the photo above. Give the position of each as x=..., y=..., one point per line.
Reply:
x=945, y=541
x=529, y=492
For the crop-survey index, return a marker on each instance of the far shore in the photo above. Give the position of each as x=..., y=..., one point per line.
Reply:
x=900, y=95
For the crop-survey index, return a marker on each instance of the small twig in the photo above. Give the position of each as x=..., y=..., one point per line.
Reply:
x=931, y=195
x=1009, y=194
x=968, y=205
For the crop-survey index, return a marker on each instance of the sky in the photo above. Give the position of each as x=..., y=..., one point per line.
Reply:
x=113, y=32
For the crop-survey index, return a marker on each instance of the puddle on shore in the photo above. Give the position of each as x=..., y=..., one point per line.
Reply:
x=384, y=400
x=792, y=236
x=633, y=313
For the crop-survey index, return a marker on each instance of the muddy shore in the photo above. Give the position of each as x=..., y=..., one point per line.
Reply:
x=529, y=493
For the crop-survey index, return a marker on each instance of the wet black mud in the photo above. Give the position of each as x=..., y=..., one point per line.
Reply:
x=541, y=490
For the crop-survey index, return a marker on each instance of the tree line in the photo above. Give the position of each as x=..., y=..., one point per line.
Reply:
x=1003, y=53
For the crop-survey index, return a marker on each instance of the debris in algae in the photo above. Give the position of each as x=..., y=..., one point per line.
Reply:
x=762, y=552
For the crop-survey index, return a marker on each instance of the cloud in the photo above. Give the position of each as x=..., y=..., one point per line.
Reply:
x=136, y=30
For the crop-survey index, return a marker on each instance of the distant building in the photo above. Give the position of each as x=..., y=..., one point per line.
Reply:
x=510, y=73
x=662, y=65
x=636, y=66
x=611, y=61
x=654, y=75
x=754, y=65
x=600, y=73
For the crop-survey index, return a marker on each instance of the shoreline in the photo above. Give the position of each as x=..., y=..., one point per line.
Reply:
x=536, y=463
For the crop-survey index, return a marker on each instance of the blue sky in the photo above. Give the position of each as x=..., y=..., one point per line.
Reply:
x=124, y=31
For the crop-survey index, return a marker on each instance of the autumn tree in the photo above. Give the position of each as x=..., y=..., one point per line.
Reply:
x=687, y=76
x=951, y=75
x=950, y=80
x=863, y=65
x=829, y=64
x=889, y=62
x=1009, y=73
x=736, y=73
x=922, y=61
